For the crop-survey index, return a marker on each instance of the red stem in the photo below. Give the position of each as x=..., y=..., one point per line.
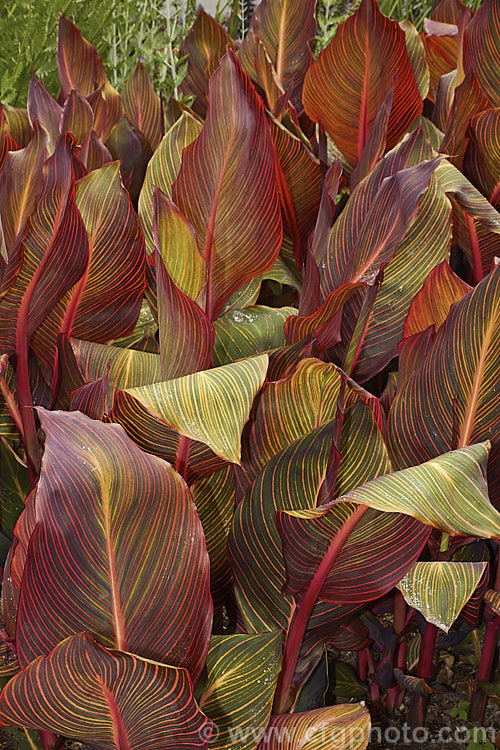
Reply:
x=48, y=739
x=395, y=693
x=182, y=457
x=475, y=250
x=283, y=700
x=418, y=703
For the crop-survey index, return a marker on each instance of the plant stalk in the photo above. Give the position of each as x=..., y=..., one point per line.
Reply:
x=418, y=703
x=283, y=700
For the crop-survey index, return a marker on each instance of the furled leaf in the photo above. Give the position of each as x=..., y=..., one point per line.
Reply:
x=204, y=48
x=77, y=117
x=341, y=727
x=186, y=335
x=110, y=295
x=243, y=333
x=129, y=581
x=128, y=144
x=431, y=305
x=467, y=102
x=43, y=109
x=481, y=50
x=448, y=492
x=143, y=105
x=226, y=186
x=210, y=406
x=285, y=28
x=91, y=398
x=452, y=399
x=79, y=65
x=110, y=698
x=19, y=125
x=21, y=181
x=345, y=88
x=237, y=694
x=7, y=142
x=162, y=171
x=440, y=590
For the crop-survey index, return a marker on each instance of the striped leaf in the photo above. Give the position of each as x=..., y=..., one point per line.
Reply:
x=375, y=143
x=492, y=598
x=91, y=399
x=44, y=109
x=416, y=53
x=214, y=497
x=125, y=525
x=49, y=257
x=162, y=171
x=291, y=480
x=428, y=240
x=84, y=362
x=346, y=86
x=77, y=117
x=341, y=727
x=107, y=698
x=107, y=302
x=7, y=142
x=376, y=555
x=19, y=125
x=481, y=49
x=204, y=48
x=285, y=29
x=132, y=148
x=467, y=197
x=243, y=333
x=440, y=590
x=456, y=387
x=177, y=243
x=211, y=406
x=431, y=306
x=440, y=41
x=189, y=349
x=79, y=65
x=448, y=492
x=230, y=198
x=237, y=694
x=143, y=105
x=467, y=102
x=482, y=160
x=21, y=181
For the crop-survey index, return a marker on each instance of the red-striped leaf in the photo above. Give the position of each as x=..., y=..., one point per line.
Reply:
x=430, y=307
x=77, y=117
x=49, y=257
x=481, y=49
x=186, y=334
x=448, y=11
x=143, y=105
x=375, y=144
x=19, y=125
x=482, y=159
x=129, y=145
x=21, y=181
x=79, y=65
x=106, y=514
x=7, y=142
x=91, y=398
x=467, y=102
x=285, y=30
x=345, y=727
x=345, y=88
x=108, y=301
x=324, y=324
x=440, y=42
x=452, y=399
x=94, y=155
x=108, y=698
x=204, y=48
x=227, y=186
x=416, y=53
x=44, y=109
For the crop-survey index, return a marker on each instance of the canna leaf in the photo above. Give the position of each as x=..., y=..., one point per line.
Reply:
x=448, y=492
x=43, y=109
x=346, y=86
x=108, y=300
x=91, y=399
x=482, y=161
x=7, y=142
x=440, y=40
x=91, y=700
x=341, y=727
x=440, y=590
x=456, y=387
x=231, y=199
x=162, y=171
x=253, y=330
x=285, y=29
x=204, y=48
x=98, y=486
x=79, y=65
x=237, y=694
x=129, y=145
x=77, y=117
x=481, y=50
x=211, y=406
x=416, y=53
x=143, y=105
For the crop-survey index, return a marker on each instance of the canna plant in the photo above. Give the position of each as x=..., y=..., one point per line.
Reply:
x=248, y=378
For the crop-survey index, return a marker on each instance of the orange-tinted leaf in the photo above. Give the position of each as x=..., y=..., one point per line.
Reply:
x=482, y=51
x=345, y=88
x=19, y=124
x=77, y=117
x=129, y=145
x=7, y=142
x=107, y=698
x=227, y=186
x=142, y=105
x=204, y=47
x=448, y=11
x=107, y=512
x=467, y=102
x=482, y=159
x=91, y=398
x=44, y=109
x=440, y=42
x=79, y=65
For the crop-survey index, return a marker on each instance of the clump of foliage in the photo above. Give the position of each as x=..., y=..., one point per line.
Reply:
x=249, y=390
